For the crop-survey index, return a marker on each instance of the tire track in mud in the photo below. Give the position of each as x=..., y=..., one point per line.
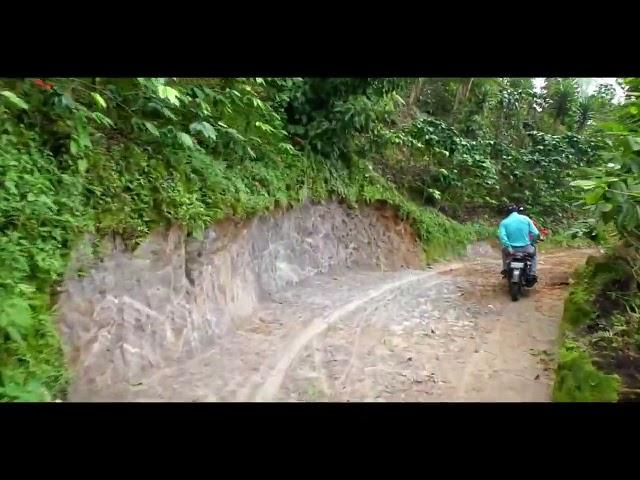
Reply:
x=267, y=391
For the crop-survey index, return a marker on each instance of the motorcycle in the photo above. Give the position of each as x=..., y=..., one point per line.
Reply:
x=518, y=274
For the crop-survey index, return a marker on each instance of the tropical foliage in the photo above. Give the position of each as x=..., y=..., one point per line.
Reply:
x=604, y=306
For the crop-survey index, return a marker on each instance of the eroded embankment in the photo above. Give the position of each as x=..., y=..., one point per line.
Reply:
x=175, y=297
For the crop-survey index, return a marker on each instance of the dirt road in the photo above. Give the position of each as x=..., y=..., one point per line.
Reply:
x=450, y=333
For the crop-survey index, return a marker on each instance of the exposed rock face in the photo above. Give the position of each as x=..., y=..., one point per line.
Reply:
x=175, y=296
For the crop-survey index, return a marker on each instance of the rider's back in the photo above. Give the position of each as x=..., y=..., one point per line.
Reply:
x=516, y=228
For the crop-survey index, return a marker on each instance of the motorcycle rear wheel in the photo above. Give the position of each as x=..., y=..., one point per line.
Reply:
x=515, y=290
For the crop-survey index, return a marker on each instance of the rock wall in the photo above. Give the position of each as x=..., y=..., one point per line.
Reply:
x=173, y=297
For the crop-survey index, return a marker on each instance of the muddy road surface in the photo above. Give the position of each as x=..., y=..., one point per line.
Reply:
x=449, y=333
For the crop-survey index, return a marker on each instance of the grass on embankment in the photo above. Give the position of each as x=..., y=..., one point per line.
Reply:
x=596, y=330
x=577, y=380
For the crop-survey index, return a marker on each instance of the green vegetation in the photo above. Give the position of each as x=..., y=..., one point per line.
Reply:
x=578, y=381
x=468, y=146
x=123, y=156
x=577, y=308
x=566, y=239
x=599, y=357
x=599, y=330
x=591, y=333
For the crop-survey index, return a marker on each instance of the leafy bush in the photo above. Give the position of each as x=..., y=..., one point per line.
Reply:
x=596, y=324
x=578, y=307
x=577, y=380
x=612, y=189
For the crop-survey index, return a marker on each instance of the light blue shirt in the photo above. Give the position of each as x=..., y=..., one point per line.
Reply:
x=515, y=229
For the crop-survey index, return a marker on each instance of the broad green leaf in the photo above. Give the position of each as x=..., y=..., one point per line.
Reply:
x=13, y=98
x=168, y=113
x=186, y=139
x=436, y=194
x=265, y=127
x=204, y=108
x=232, y=131
x=584, y=183
x=100, y=118
x=14, y=334
x=11, y=186
x=99, y=100
x=73, y=146
x=633, y=143
x=152, y=128
x=629, y=217
x=594, y=196
x=82, y=165
x=204, y=128
x=619, y=186
x=258, y=103
x=169, y=93
x=84, y=139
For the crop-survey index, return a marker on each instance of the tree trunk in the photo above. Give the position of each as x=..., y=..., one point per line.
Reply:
x=468, y=89
x=407, y=113
x=462, y=93
x=416, y=90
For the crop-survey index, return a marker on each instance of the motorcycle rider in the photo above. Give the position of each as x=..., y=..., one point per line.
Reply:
x=517, y=233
